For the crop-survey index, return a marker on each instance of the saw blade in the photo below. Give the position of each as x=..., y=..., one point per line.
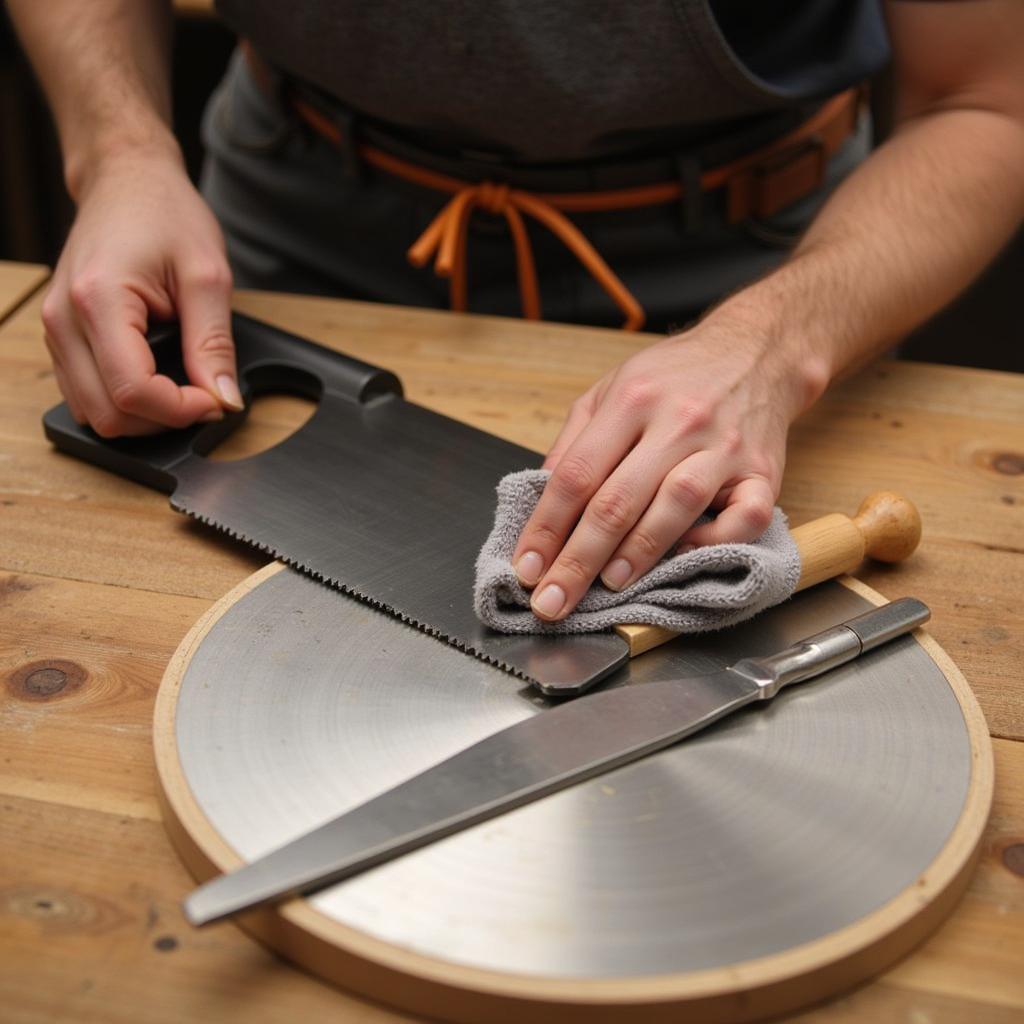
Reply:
x=390, y=503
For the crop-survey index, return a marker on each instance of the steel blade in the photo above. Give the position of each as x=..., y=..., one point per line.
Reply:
x=391, y=503
x=524, y=762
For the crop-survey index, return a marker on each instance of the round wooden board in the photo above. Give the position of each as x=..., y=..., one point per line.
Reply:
x=748, y=990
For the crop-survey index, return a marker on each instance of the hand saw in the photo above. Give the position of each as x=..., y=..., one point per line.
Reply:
x=390, y=502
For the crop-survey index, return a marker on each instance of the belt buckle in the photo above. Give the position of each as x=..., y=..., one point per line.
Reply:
x=775, y=182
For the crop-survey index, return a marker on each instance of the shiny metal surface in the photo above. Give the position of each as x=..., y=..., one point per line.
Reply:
x=543, y=754
x=834, y=647
x=804, y=660
x=526, y=761
x=776, y=826
x=391, y=502
x=888, y=621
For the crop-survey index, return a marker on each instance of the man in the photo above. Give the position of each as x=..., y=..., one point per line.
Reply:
x=696, y=420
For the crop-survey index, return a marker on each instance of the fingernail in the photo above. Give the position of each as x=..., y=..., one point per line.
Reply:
x=212, y=416
x=529, y=568
x=229, y=392
x=616, y=574
x=549, y=601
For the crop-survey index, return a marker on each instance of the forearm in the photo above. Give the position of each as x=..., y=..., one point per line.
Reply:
x=143, y=243
x=901, y=238
x=104, y=65
x=700, y=420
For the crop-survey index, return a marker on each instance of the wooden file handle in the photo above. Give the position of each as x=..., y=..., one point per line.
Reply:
x=887, y=527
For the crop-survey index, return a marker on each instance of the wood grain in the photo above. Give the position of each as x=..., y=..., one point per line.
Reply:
x=113, y=885
x=17, y=282
x=99, y=573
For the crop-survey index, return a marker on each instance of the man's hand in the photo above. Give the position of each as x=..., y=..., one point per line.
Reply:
x=695, y=421
x=143, y=244
x=701, y=419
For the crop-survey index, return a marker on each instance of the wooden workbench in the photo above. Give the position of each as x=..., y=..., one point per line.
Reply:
x=99, y=581
x=17, y=282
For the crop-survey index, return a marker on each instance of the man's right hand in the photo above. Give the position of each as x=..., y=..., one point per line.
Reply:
x=144, y=244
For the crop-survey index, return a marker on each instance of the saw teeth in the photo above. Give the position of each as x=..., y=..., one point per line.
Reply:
x=373, y=602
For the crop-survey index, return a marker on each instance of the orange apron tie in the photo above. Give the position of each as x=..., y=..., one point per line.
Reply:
x=446, y=240
x=756, y=184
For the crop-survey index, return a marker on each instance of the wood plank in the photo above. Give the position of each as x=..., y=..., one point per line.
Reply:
x=885, y=1004
x=102, y=892
x=977, y=617
x=973, y=955
x=81, y=832
x=17, y=282
x=63, y=518
x=91, y=931
x=952, y=390
x=79, y=689
x=100, y=575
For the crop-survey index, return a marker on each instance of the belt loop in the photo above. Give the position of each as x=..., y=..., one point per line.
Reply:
x=271, y=86
x=691, y=198
x=266, y=76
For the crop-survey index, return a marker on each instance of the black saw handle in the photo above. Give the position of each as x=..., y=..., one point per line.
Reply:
x=269, y=359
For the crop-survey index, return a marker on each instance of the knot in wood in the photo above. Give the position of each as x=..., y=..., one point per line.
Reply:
x=45, y=680
x=1013, y=858
x=1008, y=463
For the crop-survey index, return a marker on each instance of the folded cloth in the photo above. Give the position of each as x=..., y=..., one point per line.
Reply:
x=705, y=589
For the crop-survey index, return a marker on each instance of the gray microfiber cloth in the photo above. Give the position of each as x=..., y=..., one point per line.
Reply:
x=705, y=589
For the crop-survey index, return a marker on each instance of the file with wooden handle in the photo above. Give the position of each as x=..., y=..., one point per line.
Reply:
x=887, y=528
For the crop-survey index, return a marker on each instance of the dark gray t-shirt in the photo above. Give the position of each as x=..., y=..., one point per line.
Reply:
x=558, y=80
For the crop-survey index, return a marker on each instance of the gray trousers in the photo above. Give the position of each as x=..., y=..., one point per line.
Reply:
x=297, y=220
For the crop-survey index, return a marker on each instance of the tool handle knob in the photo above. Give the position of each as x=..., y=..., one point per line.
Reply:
x=887, y=526
x=891, y=526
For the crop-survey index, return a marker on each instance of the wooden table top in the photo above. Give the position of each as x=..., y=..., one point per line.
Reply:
x=99, y=581
x=17, y=282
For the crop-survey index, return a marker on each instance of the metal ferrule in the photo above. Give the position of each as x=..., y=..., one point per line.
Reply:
x=809, y=658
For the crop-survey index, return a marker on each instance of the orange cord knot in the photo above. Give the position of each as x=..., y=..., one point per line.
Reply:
x=493, y=197
x=445, y=240
x=445, y=236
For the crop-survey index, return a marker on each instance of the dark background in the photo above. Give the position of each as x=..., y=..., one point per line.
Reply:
x=983, y=328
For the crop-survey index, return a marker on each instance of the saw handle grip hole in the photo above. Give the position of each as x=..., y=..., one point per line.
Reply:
x=271, y=419
x=279, y=399
x=282, y=377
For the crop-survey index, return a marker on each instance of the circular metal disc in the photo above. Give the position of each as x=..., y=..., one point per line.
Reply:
x=775, y=827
